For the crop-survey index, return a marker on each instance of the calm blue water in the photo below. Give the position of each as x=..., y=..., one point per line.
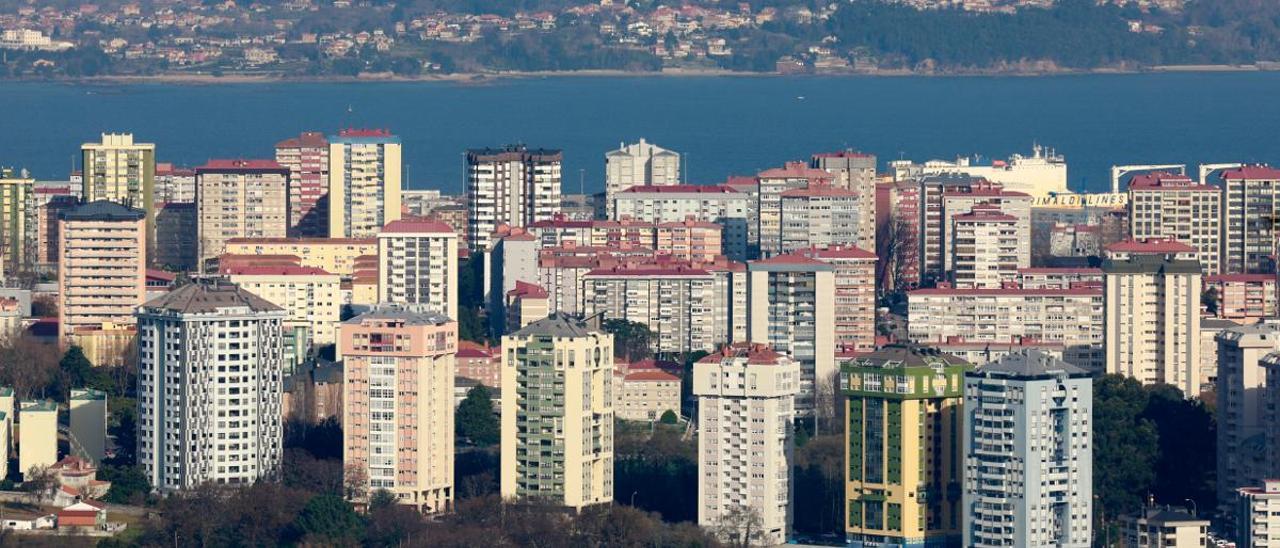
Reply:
x=723, y=125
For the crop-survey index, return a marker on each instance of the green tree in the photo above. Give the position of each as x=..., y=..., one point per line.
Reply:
x=1126, y=445
x=475, y=421
x=329, y=518
x=381, y=498
x=1188, y=442
x=129, y=485
x=669, y=417
x=631, y=340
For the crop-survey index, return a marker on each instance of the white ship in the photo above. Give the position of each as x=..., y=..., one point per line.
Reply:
x=1041, y=174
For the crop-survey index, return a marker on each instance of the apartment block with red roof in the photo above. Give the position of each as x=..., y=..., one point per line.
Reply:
x=818, y=216
x=479, y=363
x=771, y=184
x=1174, y=207
x=792, y=300
x=855, y=171
x=307, y=157
x=418, y=265
x=1250, y=207
x=364, y=182
x=717, y=204
x=527, y=303
x=645, y=395
x=1243, y=297
x=987, y=248
x=1070, y=320
x=686, y=308
x=855, y=295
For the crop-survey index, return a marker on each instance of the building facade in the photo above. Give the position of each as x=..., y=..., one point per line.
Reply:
x=1250, y=203
x=307, y=159
x=687, y=309
x=1028, y=453
x=102, y=274
x=903, y=450
x=18, y=222
x=1258, y=515
x=418, y=265
x=638, y=164
x=819, y=216
x=119, y=170
x=210, y=379
x=1165, y=206
x=1153, y=313
x=770, y=185
x=239, y=199
x=792, y=309
x=332, y=255
x=854, y=171
x=311, y=297
x=364, y=182
x=557, y=413
x=397, y=402
x=513, y=186
x=721, y=205
x=746, y=397
x=987, y=250
x=1244, y=356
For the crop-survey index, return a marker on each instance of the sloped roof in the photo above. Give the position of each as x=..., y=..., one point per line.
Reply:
x=210, y=296
x=102, y=210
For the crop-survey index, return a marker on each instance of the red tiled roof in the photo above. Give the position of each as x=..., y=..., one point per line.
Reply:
x=161, y=275
x=819, y=190
x=526, y=289
x=756, y=354
x=309, y=241
x=1162, y=180
x=788, y=258
x=672, y=189
x=795, y=170
x=308, y=139
x=414, y=225
x=242, y=165
x=650, y=375
x=1240, y=278
x=280, y=270
x=1008, y=291
x=1151, y=246
x=1254, y=172
x=840, y=252
x=740, y=180
x=362, y=132
x=1059, y=270
x=642, y=272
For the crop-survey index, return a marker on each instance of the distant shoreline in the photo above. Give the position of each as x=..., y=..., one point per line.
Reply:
x=480, y=78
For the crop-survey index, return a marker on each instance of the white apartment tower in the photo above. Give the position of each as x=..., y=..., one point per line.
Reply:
x=987, y=249
x=514, y=185
x=1153, y=313
x=1166, y=206
x=557, y=413
x=418, y=264
x=746, y=401
x=1028, y=453
x=210, y=359
x=364, y=182
x=792, y=310
x=638, y=164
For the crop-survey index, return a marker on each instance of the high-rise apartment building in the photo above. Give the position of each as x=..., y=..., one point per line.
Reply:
x=771, y=184
x=1167, y=206
x=1250, y=205
x=903, y=446
x=854, y=171
x=746, y=401
x=102, y=274
x=1243, y=296
x=307, y=158
x=719, y=204
x=941, y=198
x=311, y=297
x=987, y=249
x=819, y=216
x=397, y=402
x=174, y=185
x=638, y=164
x=37, y=436
x=239, y=199
x=557, y=413
x=1070, y=319
x=1245, y=354
x=17, y=221
x=1153, y=313
x=855, y=295
x=210, y=359
x=792, y=309
x=119, y=170
x=47, y=226
x=177, y=242
x=513, y=185
x=686, y=308
x=364, y=182
x=1028, y=453
x=418, y=265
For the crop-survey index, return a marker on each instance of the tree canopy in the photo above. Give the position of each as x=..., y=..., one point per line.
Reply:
x=475, y=421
